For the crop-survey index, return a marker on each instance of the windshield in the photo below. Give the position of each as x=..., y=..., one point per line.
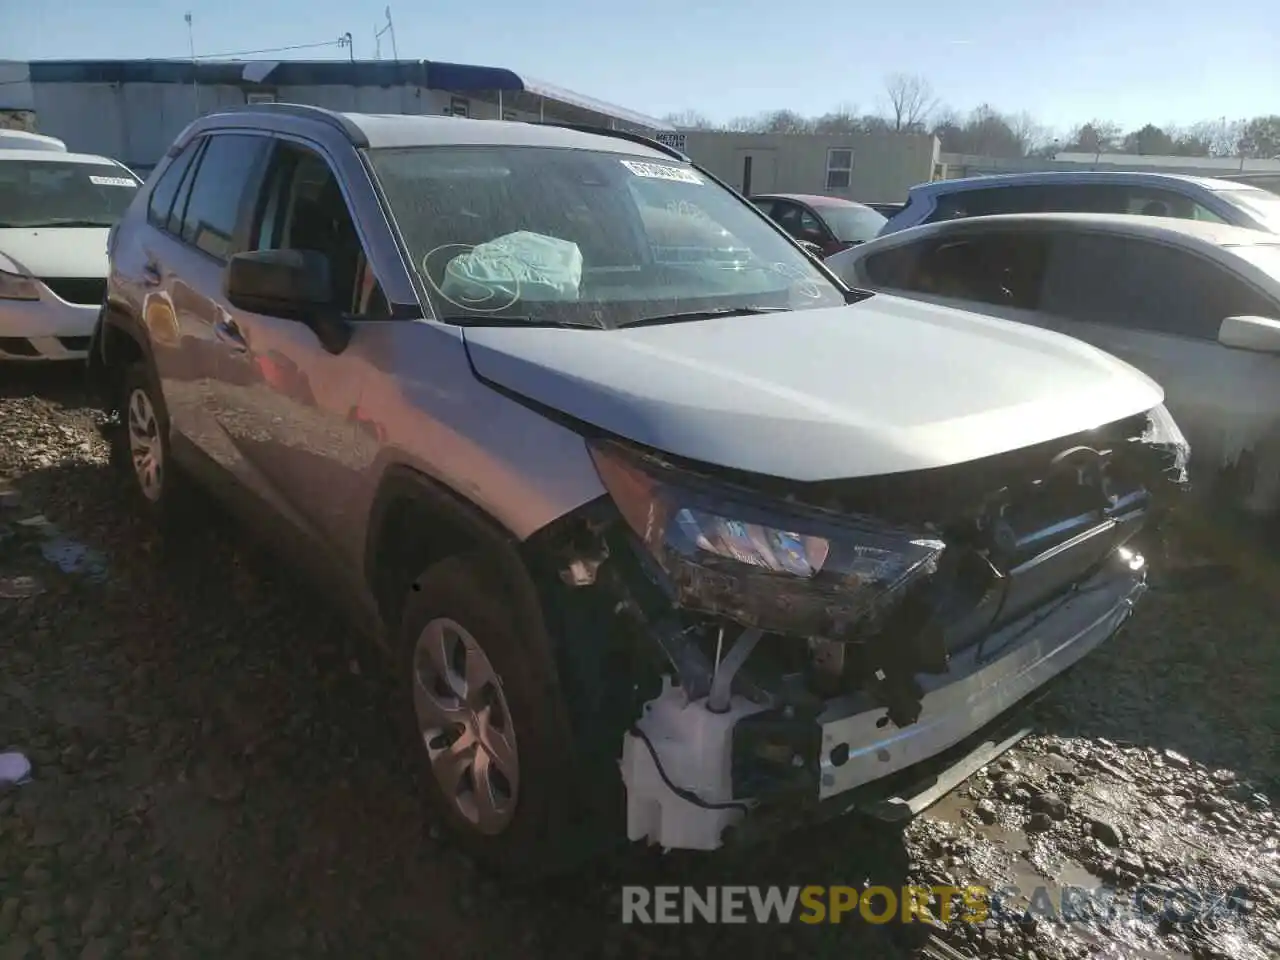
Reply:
x=51, y=193
x=1264, y=256
x=1261, y=204
x=584, y=238
x=853, y=224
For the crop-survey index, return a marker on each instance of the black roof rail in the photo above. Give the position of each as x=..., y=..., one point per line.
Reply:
x=639, y=138
x=303, y=111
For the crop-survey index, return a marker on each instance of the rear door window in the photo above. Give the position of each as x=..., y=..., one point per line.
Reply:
x=216, y=202
x=989, y=201
x=166, y=189
x=1145, y=285
x=813, y=229
x=1132, y=199
x=893, y=269
x=1000, y=269
x=787, y=216
x=996, y=268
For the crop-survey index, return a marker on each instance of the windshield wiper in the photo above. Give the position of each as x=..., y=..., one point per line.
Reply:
x=464, y=320
x=711, y=314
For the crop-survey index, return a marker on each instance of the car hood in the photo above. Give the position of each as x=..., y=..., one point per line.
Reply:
x=55, y=251
x=882, y=386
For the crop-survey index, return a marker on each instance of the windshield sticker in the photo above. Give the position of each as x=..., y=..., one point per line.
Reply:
x=661, y=171
x=112, y=181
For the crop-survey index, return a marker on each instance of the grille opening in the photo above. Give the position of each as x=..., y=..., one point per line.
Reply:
x=18, y=347
x=86, y=291
x=74, y=343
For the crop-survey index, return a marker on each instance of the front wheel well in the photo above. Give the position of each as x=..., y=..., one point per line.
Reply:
x=415, y=525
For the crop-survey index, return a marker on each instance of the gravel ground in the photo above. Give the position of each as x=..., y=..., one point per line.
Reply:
x=214, y=775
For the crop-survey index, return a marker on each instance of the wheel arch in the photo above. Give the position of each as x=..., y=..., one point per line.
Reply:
x=416, y=522
x=121, y=340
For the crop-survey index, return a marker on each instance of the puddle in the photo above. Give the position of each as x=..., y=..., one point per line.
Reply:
x=1030, y=865
x=71, y=556
x=66, y=553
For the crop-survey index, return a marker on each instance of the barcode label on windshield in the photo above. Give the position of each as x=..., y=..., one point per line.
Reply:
x=112, y=181
x=661, y=171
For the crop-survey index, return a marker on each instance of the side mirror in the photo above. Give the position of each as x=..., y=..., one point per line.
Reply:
x=292, y=285
x=811, y=248
x=1259, y=334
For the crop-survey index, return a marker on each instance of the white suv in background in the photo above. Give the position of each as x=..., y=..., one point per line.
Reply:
x=56, y=209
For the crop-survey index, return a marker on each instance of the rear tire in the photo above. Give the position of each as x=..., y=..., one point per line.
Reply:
x=141, y=449
x=484, y=737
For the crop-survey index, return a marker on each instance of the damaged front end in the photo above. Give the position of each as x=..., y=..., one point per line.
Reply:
x=822, y=636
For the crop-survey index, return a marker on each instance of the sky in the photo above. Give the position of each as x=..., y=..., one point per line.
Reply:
x=1128, y=61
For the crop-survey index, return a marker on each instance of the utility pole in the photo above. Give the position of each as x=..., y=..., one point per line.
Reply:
x=377, y=38
x=195, y=79
x=346, y=41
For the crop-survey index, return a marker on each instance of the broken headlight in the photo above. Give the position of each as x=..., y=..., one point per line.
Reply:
x=780, y=566
x=1164, y=435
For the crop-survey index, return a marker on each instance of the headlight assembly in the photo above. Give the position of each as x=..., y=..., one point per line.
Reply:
x=14, y=286
x=1163, y=435
x=763, y=562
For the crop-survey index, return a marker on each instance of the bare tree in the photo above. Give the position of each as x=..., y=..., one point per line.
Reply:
x=690, y=120
x=843, y=119
x=1096, y=136
x=1222, y=136
x=1028, y=132
x=911, y=100
x=772, y=121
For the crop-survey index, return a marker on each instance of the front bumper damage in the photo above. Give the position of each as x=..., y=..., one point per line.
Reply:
x=747, y=701
x=791, y=768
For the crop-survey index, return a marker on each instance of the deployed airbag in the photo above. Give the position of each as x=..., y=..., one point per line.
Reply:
x=516, y=266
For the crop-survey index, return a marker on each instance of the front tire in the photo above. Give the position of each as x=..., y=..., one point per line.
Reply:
x=481, y=726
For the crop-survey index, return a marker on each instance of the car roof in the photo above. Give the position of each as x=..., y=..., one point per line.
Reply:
x=27, y=139
x=1042, y=177
x=813, y=199
x=389, y=130
x=55, y=156
x=402, y=130
x=1218, y=234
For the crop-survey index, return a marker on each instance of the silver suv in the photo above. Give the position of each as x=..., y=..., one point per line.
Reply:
x=651, y=514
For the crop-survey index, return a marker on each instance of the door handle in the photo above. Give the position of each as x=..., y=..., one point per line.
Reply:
x=151, y=274
x=229, y=333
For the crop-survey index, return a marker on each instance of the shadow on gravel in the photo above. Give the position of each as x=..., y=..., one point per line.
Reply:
x=49, y=381
x=215, y=775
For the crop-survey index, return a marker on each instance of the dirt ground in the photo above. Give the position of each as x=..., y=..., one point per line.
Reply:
x=214, y=773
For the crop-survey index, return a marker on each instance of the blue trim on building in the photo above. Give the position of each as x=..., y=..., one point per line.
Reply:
x=427, y=74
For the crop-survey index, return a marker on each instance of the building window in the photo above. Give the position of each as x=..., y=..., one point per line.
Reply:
x=458, y=107
x=839, y=168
